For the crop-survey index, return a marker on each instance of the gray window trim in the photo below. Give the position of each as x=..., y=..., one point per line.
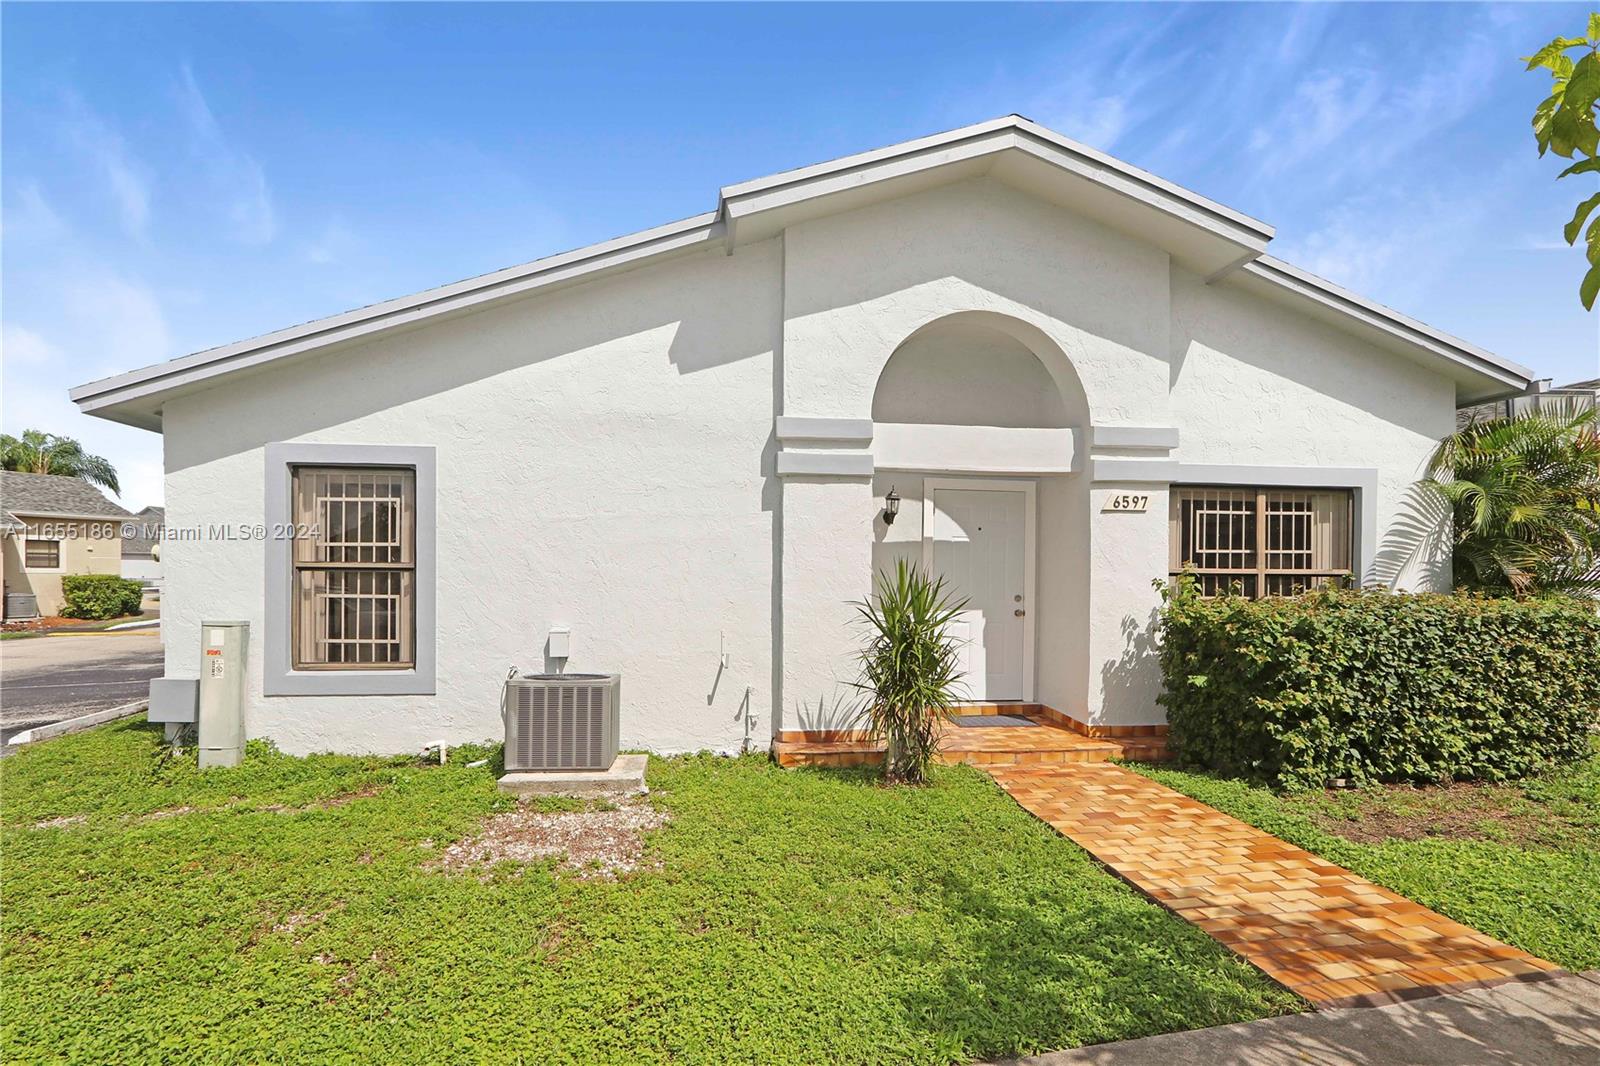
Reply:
x=280, y=678
x=1362, y=481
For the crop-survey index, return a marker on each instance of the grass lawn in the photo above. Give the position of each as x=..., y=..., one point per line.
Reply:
x=285, y=911
x=1519, y=861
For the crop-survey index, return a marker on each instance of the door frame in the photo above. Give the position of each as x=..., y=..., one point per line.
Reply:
x=1030, y=539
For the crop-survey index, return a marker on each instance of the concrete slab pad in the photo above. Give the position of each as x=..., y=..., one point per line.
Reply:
x=624, y=778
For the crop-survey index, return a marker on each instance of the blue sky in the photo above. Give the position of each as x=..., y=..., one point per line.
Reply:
x=181, y=176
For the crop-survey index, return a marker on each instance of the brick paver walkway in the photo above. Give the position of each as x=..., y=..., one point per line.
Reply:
x=1335, y=938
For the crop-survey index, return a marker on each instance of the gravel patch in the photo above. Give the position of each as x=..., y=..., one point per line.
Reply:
x=597, y=843
x=62, y=822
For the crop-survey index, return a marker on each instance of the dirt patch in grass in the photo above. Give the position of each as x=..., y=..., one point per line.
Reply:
x=344, y=799
x=596, y=842
x=1497, y=813
x=171, y=812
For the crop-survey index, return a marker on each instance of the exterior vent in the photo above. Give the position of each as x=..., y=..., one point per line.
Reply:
x=562, y=721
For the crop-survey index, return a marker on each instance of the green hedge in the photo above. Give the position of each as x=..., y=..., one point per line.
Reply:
x=1378, y=686
x=100, y=596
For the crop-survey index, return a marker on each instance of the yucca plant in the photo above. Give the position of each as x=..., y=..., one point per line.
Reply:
x=1525, y=493
x=910, y=667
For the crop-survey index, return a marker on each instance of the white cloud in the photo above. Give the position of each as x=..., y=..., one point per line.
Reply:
x=1319, y=116
x=127, y=180
x=334, y=243
x=119, y=325
x=1354, y=119
x=97, y=324
x=29, y=216
x=236, y=174
x=24, y=347
x=36, y=400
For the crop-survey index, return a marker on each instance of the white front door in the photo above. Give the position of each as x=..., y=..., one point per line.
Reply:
x=978, y=545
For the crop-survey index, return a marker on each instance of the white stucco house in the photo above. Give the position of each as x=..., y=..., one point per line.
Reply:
x=1074, y=376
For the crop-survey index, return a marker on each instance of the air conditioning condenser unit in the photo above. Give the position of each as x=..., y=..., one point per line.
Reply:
x=562, y=721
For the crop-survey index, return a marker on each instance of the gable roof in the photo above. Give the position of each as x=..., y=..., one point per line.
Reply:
x=146, y=533
x=54, y=496
x=1205, y=236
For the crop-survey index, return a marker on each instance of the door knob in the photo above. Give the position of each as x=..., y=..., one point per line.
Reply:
x=1019, y=612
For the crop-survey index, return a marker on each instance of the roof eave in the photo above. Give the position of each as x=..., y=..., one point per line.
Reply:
x=116, y=398
x=1497, y=375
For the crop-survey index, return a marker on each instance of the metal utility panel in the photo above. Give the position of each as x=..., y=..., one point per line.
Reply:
x=223, y=646
x=173, y=700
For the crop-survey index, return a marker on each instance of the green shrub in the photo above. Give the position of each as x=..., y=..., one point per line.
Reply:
x=100, y=596
x=1378, y=686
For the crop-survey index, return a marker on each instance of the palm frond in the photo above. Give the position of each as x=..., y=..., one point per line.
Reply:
x=1525, y=496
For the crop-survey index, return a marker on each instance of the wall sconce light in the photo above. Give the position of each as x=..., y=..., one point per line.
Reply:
x=891, y=506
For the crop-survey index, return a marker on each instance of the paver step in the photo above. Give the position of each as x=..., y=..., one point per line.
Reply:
x=1038, y=745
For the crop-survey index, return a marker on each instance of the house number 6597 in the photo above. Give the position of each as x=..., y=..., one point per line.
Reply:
x=1133, y=502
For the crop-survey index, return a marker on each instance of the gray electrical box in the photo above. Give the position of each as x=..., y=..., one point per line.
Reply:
x=223, y=646
x=173, y=700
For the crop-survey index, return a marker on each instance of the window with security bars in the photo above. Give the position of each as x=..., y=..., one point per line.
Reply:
x=1265, y=542
x=354, y=567
x=42, y=554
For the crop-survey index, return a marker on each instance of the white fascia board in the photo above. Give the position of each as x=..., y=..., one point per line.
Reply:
x=1143, y=186
x=1011, y=133
x=1502, y=371
x=367, y=322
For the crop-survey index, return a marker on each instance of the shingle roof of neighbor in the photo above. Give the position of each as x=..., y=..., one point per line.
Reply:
x=51, y=494
x=147, y=531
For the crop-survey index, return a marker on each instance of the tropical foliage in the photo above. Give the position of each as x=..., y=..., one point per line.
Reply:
x=910, y=667
x=1565, y=124
x=1525, y=493
x=37, y=452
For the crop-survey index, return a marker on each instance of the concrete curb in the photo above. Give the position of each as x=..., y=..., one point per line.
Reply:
x=78, y=724
x=141, y=624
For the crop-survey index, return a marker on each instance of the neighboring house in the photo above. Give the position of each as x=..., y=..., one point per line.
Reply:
x=1538, y=397
x=55, y=526
x=1073, y=376
x=141, y=551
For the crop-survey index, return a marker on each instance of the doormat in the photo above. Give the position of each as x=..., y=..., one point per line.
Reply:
x=989, y=721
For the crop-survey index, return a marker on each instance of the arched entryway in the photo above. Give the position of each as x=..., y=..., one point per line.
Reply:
x=978, y=423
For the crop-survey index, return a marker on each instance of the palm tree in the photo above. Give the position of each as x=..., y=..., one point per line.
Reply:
x=1525, y=492
x=38, y=452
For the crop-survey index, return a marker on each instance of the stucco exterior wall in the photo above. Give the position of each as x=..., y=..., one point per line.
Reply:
x=604, y=462
x=87, y=547
x=1255, y=384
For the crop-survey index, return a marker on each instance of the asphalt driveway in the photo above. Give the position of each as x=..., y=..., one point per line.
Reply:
x=46, y=679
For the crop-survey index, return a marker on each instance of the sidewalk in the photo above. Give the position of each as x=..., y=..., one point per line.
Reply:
x=1551, y=1023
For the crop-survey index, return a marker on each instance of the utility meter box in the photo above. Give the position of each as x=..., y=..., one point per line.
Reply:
x=223, y=646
